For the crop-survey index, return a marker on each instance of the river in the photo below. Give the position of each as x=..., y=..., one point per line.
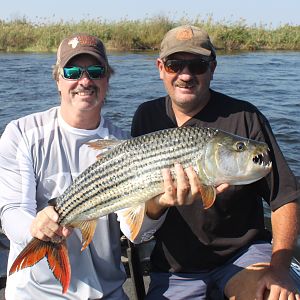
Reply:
x=270, y=80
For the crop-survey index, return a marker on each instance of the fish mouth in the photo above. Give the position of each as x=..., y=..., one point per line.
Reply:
x=262, y=160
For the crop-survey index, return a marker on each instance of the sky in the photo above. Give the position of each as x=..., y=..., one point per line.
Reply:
x=272, y=13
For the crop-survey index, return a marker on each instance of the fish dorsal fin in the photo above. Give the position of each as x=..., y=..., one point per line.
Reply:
x=208, y=195
x=134, y=217
x=87, y=229
x=103, y=144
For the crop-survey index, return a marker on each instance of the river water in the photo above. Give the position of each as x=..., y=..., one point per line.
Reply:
x=270, y=80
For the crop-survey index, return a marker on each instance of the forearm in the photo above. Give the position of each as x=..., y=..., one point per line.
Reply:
x=17, y=186
x=285, y=225
x=16, y=225
x=154, y=210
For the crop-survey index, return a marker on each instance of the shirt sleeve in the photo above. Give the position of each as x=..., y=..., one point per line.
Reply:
x=281, y=185
x=17, y=185
x=149, y=227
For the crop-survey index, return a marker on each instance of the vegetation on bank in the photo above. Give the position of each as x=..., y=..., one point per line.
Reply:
x=24, y=35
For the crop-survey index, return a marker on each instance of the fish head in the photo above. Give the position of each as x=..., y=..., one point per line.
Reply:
x=234, y=160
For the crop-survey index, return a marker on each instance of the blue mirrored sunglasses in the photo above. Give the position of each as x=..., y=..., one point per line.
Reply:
x=75, y=73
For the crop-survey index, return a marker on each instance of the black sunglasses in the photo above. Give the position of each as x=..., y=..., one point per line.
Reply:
x=196, y=66
x=75, y=73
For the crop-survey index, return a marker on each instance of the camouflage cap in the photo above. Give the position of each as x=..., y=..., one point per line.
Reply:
x=189, y=39
x=80, y=44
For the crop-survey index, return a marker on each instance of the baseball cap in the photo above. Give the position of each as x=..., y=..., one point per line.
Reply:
x=80, y=44
x=187, y=38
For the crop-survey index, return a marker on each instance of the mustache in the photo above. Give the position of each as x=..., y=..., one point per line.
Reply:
x=84, y=89
x=186, y=84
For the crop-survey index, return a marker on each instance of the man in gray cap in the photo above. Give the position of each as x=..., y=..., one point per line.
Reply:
x=224, y=250
x=40, y=155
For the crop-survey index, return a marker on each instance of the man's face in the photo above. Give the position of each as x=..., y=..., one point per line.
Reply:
x=185, y=88
x=84, y=94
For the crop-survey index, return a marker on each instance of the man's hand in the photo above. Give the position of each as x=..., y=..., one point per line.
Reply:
x=277, y=284
x=45, y=226
x=182, y=192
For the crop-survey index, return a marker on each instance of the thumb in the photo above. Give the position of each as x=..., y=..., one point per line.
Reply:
x=51, y=213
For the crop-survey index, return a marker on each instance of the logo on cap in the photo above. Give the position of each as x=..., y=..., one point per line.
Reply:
x=74, y=42
x=184, y=34
x=83, y=41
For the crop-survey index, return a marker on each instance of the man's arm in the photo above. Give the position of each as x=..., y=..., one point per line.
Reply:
x=17, y=186
x=285, y=224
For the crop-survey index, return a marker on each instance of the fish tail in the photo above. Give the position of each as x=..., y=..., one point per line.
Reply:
x=57, y=257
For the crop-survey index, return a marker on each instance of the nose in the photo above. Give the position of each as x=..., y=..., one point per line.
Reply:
x=85, y=79
x=185, y=71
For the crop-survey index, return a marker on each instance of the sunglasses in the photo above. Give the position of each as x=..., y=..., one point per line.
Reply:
x=75, y=73
x=196, y=66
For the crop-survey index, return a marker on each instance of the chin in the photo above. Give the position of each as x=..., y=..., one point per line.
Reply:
x=89, y=105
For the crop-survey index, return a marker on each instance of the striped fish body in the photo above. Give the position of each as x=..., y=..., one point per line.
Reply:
x=131, y=173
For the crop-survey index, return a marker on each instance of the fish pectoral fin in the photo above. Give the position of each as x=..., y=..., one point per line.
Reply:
x=87, y=229
x=208, y=195
x=57, y=257
x=134, y=217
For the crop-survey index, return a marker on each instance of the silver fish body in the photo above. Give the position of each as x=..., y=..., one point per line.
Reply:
x=130, y=173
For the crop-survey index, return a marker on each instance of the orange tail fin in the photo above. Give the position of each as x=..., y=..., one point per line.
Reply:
x=57, y=256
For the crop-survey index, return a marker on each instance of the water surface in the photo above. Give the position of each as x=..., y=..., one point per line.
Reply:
x=270, y=80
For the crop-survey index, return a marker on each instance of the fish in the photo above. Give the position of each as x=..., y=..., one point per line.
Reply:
x=129, y=173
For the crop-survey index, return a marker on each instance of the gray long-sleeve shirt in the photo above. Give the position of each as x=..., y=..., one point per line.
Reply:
x=40, y=155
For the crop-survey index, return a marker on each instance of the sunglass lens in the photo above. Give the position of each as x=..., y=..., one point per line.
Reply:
x=173, y=66
x=72, y=72
x=198, y=67
x=96, y=72
x=195, y=66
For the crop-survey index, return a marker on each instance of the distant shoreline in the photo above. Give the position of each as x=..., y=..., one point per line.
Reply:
x=22, y=35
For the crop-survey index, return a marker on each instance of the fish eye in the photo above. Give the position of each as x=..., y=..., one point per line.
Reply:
x=240, y=146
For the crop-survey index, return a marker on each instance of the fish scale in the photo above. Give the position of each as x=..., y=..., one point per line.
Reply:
x=121, y=166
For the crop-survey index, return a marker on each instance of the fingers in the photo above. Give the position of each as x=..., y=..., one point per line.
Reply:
x=185, y=189
x=194, y=185
x=183, y=186
x=222, y=187
x=182, y=191
x=168, y=198
x=45, y=226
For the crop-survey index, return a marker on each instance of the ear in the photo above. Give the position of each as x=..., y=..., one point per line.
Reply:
x=57, y=83
x=213, y=65
x=160, y=66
